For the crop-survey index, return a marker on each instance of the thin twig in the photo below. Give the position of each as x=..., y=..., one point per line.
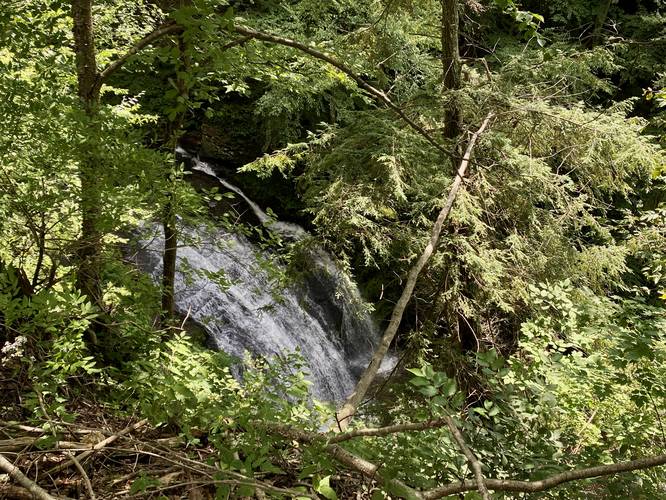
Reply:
x=100, y=445
x=581, y=439
x=390, y=429
x=661, y=425
x=187, y=316
x=84, y=476
x=471, y=458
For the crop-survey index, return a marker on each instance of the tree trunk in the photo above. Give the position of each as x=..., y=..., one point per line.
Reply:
x=348, y=410
x=89, y=247
x=451, y=66
x=169, y=215
x=602, y=15
x=169, y=259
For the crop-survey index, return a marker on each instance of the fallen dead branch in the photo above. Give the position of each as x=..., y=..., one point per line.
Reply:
x=84, y=476
x=16, y=444
x=201, y=468
x=99, y=446
x=199, y=473
x=348, y=410
x=41, y=430
x=20, y=478
x=23, y=442
x=549, y=482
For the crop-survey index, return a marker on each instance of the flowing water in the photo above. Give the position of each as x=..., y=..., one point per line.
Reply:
x=321, y=314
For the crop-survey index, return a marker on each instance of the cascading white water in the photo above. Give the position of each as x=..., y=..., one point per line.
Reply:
x=322, y=315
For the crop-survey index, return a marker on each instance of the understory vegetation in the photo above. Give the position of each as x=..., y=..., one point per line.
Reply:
x=491, y=174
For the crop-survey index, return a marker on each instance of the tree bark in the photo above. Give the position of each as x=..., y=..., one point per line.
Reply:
x=347, y=411
x=602, y=15
x=89, y=83
x=451, y=65
x=170, y=253
x=169, y=259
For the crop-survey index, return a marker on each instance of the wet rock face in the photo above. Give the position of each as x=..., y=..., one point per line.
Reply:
x=322, y=316
x=225, y=146
x=223, y=284
x=232, y=136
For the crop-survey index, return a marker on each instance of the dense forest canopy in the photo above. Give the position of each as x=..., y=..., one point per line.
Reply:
x=489, y=173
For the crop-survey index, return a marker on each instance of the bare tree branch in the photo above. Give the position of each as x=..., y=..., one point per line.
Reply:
x=471, y=458
x=167, y=29
x=84, y=476
x=20, y=478
x=549, y=482
x=349, y=408
x=140, y=45
x=242, y=40
x=373, y=91
x=390, y=429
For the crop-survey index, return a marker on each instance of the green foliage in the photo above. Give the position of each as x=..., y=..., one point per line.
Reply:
x=553, y=254
x=178, y=382
x=526, y=22
x=591, y=359
x=186, y=386
x=43, y=341
x=581, y=388
x=323, y=487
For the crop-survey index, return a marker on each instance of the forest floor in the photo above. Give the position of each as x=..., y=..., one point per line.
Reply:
x=102, y=456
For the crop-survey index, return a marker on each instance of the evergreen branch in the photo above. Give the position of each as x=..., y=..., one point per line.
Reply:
x=373, y=91
x=349, y=408
x=549, y=482
x=248, y=34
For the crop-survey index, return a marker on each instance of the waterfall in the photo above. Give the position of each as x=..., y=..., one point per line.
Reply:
x=322, y=315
